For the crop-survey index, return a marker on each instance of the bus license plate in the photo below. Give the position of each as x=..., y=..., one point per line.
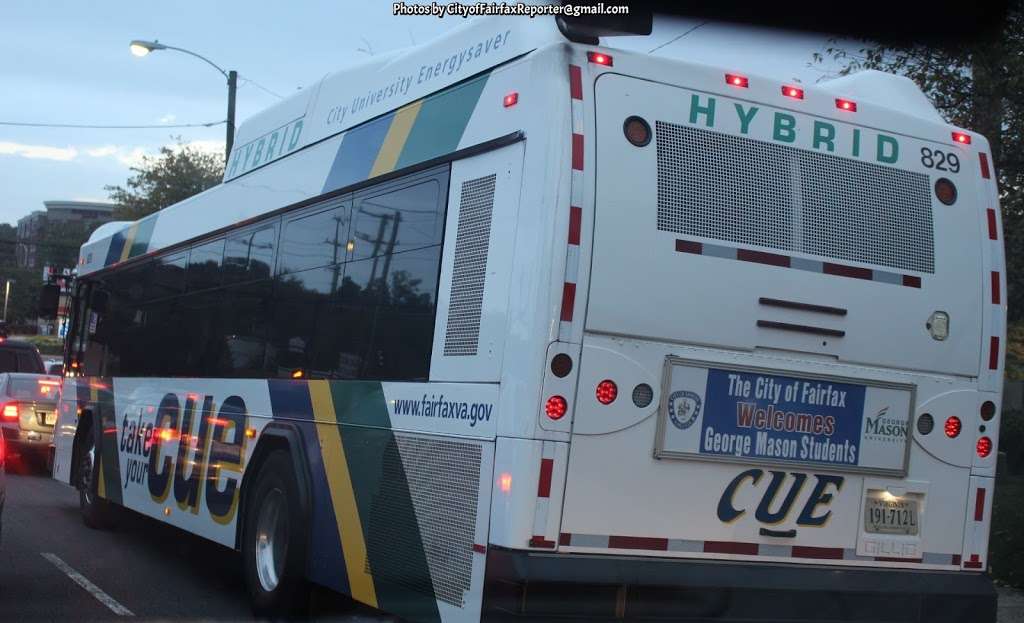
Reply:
x=885, y=514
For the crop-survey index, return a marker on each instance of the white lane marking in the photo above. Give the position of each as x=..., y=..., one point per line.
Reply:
x=84, y=582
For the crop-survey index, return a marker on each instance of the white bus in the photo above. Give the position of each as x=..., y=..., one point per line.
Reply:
x=511, y=325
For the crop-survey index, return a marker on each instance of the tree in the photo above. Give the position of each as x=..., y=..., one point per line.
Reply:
x=977, y=85
x=175, y=174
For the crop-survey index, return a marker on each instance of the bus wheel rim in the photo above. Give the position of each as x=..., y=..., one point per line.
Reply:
x=271, y=539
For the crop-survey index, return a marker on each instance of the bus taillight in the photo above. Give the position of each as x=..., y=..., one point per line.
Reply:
x=556, y=407
x=984, y=447
x=988, y=410
x=953, y=426
x=607, y=391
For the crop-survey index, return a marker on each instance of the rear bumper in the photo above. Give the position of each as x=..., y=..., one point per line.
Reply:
x=18, y=439
x=537, y=586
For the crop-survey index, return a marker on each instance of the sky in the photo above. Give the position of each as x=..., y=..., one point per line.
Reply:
x=67, y=61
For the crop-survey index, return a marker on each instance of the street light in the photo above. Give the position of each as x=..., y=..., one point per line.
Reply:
x=141, y=48
x=7, y=296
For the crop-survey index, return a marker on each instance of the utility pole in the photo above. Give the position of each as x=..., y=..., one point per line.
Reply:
x=232, y=87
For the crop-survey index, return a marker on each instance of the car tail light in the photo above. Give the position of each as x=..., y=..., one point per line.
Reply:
x=599, y=59
x=607, y=391
x=2, y=449
x=953, y=426
x=984, y=447
x=556, y=407
x=10, y=411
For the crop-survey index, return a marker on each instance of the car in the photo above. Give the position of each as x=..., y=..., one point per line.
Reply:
x=56, y=369
x=28, y=414
x=18, y=356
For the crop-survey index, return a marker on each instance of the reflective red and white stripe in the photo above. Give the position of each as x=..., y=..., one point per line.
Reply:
x=572, y=253
x=540, y=513
x=994, y=260
x=786, y=261
x=656, y=544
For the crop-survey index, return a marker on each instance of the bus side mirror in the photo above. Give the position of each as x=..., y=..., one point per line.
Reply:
x=49, y=300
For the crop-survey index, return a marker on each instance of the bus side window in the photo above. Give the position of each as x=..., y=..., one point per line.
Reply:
x=315, y=240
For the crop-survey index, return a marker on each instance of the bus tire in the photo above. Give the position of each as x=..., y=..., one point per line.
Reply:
x=274, y=541
x=97, y=513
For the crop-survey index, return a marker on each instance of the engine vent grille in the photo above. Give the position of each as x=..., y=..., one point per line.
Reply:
x=476, y=202
x=732, y=188
x=442, y=478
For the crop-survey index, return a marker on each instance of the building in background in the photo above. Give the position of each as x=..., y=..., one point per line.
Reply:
x=32, y=228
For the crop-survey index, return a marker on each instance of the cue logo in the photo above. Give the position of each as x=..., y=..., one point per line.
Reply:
x=192, y=445
x=683, y=409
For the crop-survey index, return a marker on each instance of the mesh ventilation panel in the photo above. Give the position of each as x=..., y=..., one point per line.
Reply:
x=442, y=477
x=476, y=202
x=737, y=189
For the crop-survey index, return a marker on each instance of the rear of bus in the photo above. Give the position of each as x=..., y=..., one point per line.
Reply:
x=790, y=375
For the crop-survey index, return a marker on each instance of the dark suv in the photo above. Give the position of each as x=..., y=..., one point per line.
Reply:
x=18, y=356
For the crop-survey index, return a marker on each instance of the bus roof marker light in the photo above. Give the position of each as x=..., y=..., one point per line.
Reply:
x=847, y=105
x=962, y=137
x=510, y=99
x=599, y=58
x=793, y=92
x=737, y=80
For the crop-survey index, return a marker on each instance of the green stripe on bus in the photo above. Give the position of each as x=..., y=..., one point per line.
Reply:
x=441, y=122
x=394, y=544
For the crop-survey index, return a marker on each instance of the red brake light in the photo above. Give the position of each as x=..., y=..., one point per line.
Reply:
x=962, y=138
x=11, y=411
x=737, y=80
x=794, y=92
x=607, y=391
x=599, y=59
x=849, y=105
x=953, y=426
x=556, y=407
x=511, y=99
x=984, y=447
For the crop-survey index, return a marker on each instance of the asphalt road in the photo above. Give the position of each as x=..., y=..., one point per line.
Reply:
x=150, y=570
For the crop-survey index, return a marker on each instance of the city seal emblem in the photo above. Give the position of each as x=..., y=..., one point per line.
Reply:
x=683, y=409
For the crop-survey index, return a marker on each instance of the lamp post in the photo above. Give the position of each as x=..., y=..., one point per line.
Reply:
x=141, y=48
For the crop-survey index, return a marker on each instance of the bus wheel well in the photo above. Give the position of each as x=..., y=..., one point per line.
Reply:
x=85, y=423
x=275, y=436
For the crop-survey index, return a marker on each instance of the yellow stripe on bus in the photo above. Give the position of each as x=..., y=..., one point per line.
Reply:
x=129, y=240
x=395, y=139
x=343, y=497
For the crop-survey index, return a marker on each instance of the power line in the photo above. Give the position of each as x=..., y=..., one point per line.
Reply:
x=27, y=124
x=677, y=38
x=260, y=87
